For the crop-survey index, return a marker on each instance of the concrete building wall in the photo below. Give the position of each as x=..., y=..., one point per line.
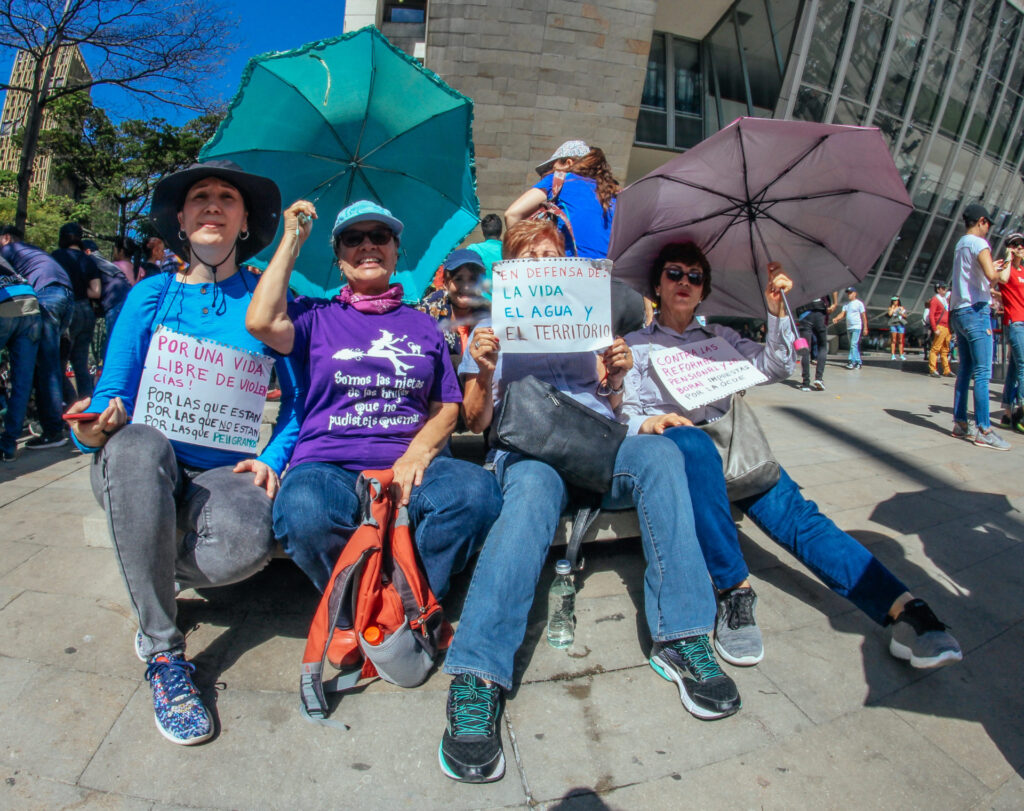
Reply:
x=542, y=72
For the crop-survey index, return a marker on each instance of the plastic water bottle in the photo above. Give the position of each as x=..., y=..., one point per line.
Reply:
x=562, y=607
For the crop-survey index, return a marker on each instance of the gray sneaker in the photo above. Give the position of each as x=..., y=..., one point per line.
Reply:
x=737, y=637
x=919, y=637
x=962, y=430
x=990, y=439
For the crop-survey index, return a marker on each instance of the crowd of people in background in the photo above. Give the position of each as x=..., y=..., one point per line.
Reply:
x=434, y=367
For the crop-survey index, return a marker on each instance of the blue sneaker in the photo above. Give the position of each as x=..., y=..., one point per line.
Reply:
x=705, y=691
x=470, y=749
x=180, y=713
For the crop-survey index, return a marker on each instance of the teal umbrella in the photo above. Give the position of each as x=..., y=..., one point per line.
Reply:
x=354, y=118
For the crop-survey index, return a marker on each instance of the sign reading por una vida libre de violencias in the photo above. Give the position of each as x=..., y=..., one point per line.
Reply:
x=201, y=392
x=704, y=372
x=552, y=305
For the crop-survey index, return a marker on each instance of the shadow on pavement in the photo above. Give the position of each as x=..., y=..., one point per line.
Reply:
x=986, y=613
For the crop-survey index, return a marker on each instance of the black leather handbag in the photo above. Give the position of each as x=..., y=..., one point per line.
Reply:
x=538, y=420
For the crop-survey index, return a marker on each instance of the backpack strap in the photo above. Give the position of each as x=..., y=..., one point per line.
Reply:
x=556, y=186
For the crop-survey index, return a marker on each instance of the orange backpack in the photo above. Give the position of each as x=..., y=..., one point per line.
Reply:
x=376, y=584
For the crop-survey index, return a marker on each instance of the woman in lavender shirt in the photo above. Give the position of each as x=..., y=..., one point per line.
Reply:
x=381, y=393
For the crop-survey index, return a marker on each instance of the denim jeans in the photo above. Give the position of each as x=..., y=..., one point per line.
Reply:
x=854, y=336
x=1015, y=374
x=55, y=303
x=791, y=521
x=110, y=318
x=171, y=525
x=812, y=324
x=678, y=598
x=316, y=512
x=21, y=337
x=973, y=329
x=80, y=332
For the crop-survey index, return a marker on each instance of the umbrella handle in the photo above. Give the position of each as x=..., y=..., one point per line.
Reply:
x=799, y=343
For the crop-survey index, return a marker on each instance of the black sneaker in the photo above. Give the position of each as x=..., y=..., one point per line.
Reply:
x=921, y=638
x=470, y=749
x=704, y=689
x=37, y=443
x=8, y=456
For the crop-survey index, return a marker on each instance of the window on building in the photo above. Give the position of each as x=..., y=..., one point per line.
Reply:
x=671, y=113
x=405, y=11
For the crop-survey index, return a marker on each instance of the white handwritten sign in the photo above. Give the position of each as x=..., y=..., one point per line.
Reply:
x=552, y=305
x=704, y=372
x=201, y=392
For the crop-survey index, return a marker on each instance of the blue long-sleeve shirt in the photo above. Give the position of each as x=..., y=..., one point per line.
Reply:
x=205, y=311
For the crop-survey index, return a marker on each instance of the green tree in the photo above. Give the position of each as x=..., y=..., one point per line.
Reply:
x=117, y=166
x=150, y=48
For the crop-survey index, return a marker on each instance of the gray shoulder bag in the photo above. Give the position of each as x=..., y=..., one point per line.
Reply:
x=747, y=460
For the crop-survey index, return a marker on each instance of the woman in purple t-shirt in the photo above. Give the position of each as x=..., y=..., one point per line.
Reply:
x=381, y=394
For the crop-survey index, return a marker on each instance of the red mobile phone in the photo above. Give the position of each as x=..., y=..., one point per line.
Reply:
x=84, y=416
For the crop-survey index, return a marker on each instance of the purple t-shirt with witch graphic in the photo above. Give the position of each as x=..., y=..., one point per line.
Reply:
x=370, y=381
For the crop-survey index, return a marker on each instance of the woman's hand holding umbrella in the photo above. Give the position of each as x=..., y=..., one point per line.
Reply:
x=778, y=285
x=298, y=223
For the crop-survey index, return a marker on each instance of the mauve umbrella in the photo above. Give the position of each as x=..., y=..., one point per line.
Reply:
x=822, y=199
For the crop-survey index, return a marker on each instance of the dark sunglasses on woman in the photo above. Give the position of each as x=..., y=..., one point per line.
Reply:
x=354, y=238
x=694, y=277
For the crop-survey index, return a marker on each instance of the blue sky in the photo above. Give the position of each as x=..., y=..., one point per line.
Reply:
x=262, y=26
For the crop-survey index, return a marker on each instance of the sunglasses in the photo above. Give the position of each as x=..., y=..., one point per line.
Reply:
x=694, y=277
x=354, y=238
x=1016, y=245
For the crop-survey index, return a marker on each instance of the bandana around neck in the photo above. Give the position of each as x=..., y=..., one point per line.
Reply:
x=390, y=299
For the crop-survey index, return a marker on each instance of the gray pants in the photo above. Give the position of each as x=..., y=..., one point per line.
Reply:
x=169, y=524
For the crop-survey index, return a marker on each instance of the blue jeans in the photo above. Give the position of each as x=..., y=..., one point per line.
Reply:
x=316, y=512
x=791, y=521
x=1015, y=374
x=973, y=328
x=80, y=332
x=854, y=336
x=678, y=598
x=55, y=302
x=21, y=337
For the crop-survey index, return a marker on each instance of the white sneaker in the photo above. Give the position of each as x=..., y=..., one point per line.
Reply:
x=818, y=385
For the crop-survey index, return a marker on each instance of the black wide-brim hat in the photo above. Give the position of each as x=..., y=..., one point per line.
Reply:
x=261, y=196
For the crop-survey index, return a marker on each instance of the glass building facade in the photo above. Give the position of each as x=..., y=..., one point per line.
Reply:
x=942, y=80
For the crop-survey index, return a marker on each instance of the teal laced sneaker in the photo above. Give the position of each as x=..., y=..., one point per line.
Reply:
x=705, y=691
x=180, y=713
x=470, y=749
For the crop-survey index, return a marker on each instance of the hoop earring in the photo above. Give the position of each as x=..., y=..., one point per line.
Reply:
x=182, y=236
x=243, y=235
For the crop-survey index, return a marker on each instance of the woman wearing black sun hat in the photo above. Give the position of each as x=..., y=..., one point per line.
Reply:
x=188, y=507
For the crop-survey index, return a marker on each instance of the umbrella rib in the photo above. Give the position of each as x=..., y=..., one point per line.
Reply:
x=723, y=232
x=791, y=166
x=311, y=104
x=407, y=131
x=813, y=240
x=736, y=200
x=316, y=155
x=416, y=179
x=837, y=193
x=369, y=98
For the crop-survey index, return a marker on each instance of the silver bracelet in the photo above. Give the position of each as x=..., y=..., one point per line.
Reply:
x=604, y=390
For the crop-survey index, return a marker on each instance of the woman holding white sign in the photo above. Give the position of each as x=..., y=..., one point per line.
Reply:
x=678, y=601
x=679, y=280
x=175, y=420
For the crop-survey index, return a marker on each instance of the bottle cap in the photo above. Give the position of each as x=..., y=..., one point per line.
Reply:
x=563, y=567
x=373, y=635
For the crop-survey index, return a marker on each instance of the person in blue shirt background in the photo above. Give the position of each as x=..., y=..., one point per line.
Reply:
x=153, y=488
x=53, y=290
x=578, y=179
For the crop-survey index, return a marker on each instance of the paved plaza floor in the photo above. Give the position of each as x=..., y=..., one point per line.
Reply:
x=829, y=719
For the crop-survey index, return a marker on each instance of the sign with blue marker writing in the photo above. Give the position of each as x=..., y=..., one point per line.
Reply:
x=552, y=305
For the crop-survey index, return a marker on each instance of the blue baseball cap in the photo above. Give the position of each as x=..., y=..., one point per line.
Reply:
x=363, y=211
x=463, y=256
